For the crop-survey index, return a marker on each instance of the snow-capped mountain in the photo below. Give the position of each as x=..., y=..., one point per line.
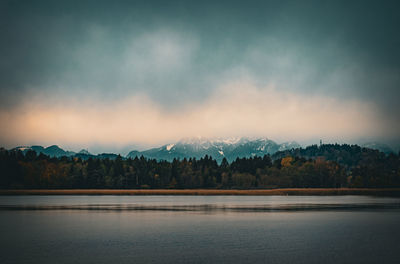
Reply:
x=217, y=148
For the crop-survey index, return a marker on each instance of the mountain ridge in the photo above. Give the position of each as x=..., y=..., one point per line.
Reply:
x=217, y=148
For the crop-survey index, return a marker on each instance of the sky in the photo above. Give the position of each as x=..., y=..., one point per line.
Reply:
x=112, y=76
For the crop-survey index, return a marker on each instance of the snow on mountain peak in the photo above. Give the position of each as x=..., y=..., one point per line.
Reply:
x=194, y=141
x=205, y=143
x=169, y=147
x=230, y=140
x=23, y=148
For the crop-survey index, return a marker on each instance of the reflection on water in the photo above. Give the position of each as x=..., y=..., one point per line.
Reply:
x=198, y=203
x=204, y=229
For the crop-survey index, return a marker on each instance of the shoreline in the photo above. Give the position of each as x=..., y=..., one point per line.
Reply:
x=259, y=192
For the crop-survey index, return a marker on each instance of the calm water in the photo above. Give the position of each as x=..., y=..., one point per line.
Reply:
x=199, y=229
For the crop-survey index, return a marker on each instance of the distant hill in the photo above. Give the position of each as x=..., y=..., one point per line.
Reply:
x=52, y=151
x=57, y=152
x=346, y=155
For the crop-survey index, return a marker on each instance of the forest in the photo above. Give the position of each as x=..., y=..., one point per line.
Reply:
x=325, y=166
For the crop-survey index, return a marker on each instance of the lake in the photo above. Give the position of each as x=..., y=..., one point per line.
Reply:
x=199, y=229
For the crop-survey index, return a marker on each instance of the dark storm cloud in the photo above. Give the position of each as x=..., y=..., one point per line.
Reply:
x=179, y=52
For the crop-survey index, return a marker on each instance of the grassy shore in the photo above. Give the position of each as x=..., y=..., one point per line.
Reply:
x=289, y=191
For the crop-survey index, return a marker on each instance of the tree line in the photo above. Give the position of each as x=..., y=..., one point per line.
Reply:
x=326, y=166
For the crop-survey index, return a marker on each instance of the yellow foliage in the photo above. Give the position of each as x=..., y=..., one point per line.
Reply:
x=286, y=161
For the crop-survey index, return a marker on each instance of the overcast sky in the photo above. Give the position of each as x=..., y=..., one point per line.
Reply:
x=119, y=75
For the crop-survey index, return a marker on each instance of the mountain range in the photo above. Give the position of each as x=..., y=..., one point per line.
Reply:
x=229, y=148
x=57, y=152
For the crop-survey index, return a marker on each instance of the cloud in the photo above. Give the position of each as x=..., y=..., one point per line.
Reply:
x=235, y=109
x=156, y=62
x=159, y=51
x=86, y=64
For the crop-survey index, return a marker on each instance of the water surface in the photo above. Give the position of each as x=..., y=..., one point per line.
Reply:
x=204, y=229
